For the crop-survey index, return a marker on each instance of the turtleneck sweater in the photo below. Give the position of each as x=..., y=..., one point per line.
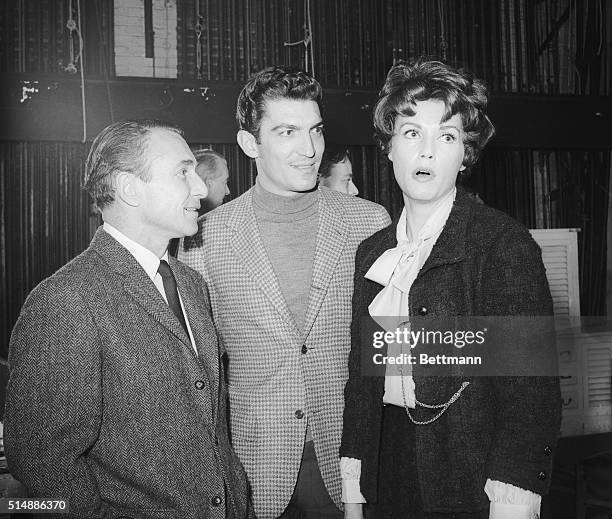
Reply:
x=288, y=228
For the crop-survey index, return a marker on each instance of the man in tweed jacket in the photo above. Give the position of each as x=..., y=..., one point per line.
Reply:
x=279, y=262
x=113, y=403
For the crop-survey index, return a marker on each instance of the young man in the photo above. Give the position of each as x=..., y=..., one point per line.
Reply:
x=278, y=261
x=116, y=398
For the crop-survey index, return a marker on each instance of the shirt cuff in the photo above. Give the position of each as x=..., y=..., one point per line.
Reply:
x=510, y=502
x=350, y=471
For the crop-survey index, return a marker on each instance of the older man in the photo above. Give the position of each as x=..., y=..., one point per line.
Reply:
x=212, y=169
x=116, y=398
x=279, y=264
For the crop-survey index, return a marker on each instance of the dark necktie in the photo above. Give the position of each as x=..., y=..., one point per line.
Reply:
x=172, y=293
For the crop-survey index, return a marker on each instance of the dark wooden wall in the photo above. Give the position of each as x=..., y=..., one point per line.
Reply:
x=547, y=62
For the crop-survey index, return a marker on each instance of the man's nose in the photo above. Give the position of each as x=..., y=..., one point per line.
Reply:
x=197, y=187
x=307, y=146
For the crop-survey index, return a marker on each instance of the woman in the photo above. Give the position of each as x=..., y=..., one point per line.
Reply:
x=420, y=446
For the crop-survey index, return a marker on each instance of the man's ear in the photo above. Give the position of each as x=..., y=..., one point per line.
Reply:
x=248, y=143
x=128, y=188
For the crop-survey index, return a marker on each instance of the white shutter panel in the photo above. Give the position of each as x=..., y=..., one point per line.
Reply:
x=560, y=257
x=585, y=357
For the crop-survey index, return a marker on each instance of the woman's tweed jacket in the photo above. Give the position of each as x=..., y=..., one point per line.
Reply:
x=109, y=407
x=502, y=428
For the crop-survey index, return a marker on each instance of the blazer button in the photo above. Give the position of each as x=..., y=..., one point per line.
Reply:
x=547, y=450
x=199, y=384
x=299, y=414
x=216, y=501
x=542, y=475
x=422, y=310
x=304, y=349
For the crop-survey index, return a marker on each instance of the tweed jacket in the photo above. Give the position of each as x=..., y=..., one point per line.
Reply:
x=108, y=405
x=281, y=378
x=502, y=428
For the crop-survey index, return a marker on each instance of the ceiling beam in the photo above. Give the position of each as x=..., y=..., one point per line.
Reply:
x=49, y=109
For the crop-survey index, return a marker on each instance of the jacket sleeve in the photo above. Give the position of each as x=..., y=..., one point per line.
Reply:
x=54, y=399
x=528, y=408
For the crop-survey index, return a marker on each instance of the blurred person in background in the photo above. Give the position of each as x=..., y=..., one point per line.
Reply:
x=212, y=169
x=336, y=170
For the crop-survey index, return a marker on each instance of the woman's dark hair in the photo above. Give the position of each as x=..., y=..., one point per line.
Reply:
x=422, y=80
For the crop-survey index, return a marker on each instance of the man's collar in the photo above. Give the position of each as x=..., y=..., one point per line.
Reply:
x=147, y=260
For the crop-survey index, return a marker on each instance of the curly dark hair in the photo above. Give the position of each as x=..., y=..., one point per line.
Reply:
x=410, y=82
x=270, y=84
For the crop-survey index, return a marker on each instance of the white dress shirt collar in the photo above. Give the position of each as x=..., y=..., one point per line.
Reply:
x=150, y=263
x=147, y=260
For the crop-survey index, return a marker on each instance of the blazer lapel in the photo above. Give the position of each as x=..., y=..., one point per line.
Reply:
x=249, y=249
x=137, y=284
x=331, y=238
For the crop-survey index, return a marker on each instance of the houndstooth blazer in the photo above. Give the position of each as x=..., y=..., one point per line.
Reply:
x=279, y=378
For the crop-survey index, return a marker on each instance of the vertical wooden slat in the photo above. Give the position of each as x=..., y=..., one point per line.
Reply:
x=5, y=304
x=247, y=40
x=207, y=24
x=148, y=28
x=44, y=219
